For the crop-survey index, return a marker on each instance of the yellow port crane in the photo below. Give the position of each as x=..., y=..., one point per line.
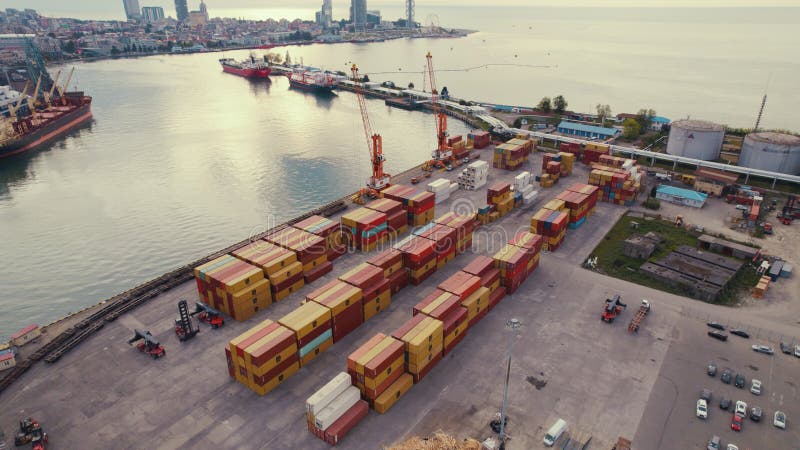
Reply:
x=62, y=90
x=14, y=108
x=48, y=95
x=379, y=179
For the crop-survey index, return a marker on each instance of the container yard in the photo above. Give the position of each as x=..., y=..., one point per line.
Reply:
x=404, y=334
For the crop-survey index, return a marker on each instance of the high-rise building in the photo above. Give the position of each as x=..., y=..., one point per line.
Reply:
x=132, y=10
x=152, y=13
x=358, y=13
x=326, y=15
x=410, y=14
x=374, y=17
x=181, y=10
x=203, y=9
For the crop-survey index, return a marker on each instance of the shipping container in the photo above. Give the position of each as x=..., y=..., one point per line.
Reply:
x=393, y=393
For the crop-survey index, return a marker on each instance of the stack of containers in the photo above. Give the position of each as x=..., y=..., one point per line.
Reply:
x=312, y=325
x=263, y=357
x=280, y=266
x=533, y=244
x=463, y=286
x=419, y=205
x=419, y=257
x=233, y=286
x=571, y=147
x=396, y=217
x=375, y=367
x=311, y=251
x=567, y=162
x=364, y=228
x=551, y=225
x=587, y=189
x=423, y=339
x=464, y=226
x=328, y=230
x=328, y=395
x=440, y=189
x=578, y=205
x=512, y=261
x=509, y=156
x=474, y=176
x=345, y=302
x=483, y=268
x=553, y=168
x=333, y=411
x=459, y=146
x=500, y=195
x=524, y=188
x=445, y=239
x=376, y=288
x=480, y=139
x=391, y=262
x=616, y=187
x=592, y=152
x=525, y=142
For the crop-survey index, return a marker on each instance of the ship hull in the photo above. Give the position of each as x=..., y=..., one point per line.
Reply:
x=247, y=73
x=49, y=132
x=310, y=87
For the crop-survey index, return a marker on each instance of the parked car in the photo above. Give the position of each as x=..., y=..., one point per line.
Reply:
x=706, y=394
x=743, y=207
x=716, y=325
x=755, y=414
x=713, y=443
x=786, y=348
x=797, y=351
x=732, y=447
x=702, y=409
x=740, y=333
x=739, y=381
x=725, y=403
x=765, y=349
x=779, y=420
x=736, y=423
x=718, y=335
x=726, y=376
x=741, y=408
x=712, y=369
x=755, y=386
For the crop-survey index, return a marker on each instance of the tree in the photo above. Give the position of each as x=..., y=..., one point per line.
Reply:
x=603, y=111
x=645, y=118
x=631, y=129
x=544, y=104
x=411, y=85
x=68, y=47
x=559, y=104
x=365, y=78
x=114, y=50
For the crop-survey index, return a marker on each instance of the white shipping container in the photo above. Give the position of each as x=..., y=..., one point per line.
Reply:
x=327, y=393
x=337, y=407
x=530, y=197
x=526, y=189
x=439, y=197
x=439, y=185
x=453, y=187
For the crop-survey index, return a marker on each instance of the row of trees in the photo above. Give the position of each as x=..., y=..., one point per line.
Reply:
x=557, y=104
x=632, y=128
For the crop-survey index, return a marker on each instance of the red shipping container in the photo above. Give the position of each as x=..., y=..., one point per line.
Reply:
x=398, y=280
x=313, y=334
x=479, y=266
x=496, y=296
x=336, y=252
x=317, y=272
x=398, y=220
x=229, y=360
x=375, y=290
x=416, y=251
x=372, y=394
x=347, y=321
x=339, y=429
x=384, y=359
x=422, y=373
x=363, y=276
x=386, y=258
x=454, y=318
x=438, y=304
x=461, y=284
x=513, y=283
x=490, y=277
x=529, y=241
x=385, y=205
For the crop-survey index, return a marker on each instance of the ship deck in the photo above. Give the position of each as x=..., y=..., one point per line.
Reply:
x=567, y=363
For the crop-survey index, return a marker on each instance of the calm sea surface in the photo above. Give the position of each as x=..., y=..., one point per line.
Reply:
x=182, y=160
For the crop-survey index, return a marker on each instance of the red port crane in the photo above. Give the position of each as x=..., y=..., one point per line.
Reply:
x=379, y=180
x=443, y=151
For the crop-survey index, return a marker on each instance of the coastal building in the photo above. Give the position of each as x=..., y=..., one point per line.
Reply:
x=586, y=131
x=181, y=10
x=132, y=11
x=680, y=196
x=374, y=17
x=358, y=13
x=325, y=14
x=152, y=13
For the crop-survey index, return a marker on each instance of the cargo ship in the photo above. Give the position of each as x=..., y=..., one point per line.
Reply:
x=22, y=134
x=313, y=81
x=248, y=68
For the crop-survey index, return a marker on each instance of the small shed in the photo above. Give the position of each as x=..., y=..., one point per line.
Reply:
x=642, y=247
x=7, y=360
x=680, y=196
x=712, y=181
x=25, y=335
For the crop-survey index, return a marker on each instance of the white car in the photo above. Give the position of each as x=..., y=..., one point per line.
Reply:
x=797, y=351
x=741, y=409
x=755, y=387
x=732, y=447
x=780, y=420
x=743, y=207
x=702, y=409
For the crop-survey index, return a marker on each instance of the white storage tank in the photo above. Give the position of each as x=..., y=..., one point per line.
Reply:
x=696, y=139
x=767, y=150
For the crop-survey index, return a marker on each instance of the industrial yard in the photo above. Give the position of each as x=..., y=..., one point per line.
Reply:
x=567, y=363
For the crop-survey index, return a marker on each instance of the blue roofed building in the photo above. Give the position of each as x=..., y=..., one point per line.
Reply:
x=657, y=123
x=680, y=196
x=586, y=131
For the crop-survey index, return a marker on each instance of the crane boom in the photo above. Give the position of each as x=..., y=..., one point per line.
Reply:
x=62, y=90
x=49, y=94
x=379, y=179
x=442, y=150
x=13, y=108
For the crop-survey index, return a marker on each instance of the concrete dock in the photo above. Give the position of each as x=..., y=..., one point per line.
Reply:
x=567, y=364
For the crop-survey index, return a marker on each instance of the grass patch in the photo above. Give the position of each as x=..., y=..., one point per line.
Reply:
x=611, y=261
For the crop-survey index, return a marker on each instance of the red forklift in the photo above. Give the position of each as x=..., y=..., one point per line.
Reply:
x=185, y=327
x=612, y=309
x=790, y=211
x=208, y=315
x=148, y=345
x=30, y=432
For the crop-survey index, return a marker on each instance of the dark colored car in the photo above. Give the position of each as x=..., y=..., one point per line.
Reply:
x=755, y=414
x=706, y=394
x=724, y=403
x=716, y=325
x=741, y=333
x=718, y=335
x=726, y=376
x=739, y=381
x=786, y=348
x=736, y=423
x=712, y=369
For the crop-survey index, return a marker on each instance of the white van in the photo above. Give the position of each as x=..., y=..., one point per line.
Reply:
x=663, y=176
x=555, y=432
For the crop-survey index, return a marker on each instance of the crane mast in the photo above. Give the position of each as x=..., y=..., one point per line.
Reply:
x=379, y=179
x=443, y=151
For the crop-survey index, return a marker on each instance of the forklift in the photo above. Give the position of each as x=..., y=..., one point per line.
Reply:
x=148, y=345
x=208, y=315
x=612, y=309
x=185, y=327
x=30, y=432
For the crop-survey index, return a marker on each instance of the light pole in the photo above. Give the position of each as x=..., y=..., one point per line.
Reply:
x=513, y=325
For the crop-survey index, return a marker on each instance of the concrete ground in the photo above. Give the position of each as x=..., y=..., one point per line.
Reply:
x=567, y=364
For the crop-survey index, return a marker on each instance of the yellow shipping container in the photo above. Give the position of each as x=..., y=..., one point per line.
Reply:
x=476, y=302
x=393, y=393
x=457, y=331
x=373, y=383
x=309, y=266
x=382, y=302
x=287, y=272
x=272, y=384
x=306, y=318
x=293, y=288
x=316, y=352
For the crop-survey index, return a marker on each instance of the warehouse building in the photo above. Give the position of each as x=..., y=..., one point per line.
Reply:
x=726, y=247
x=713, y=182
x=586, y=131
x=700, y=274
x=680, y=196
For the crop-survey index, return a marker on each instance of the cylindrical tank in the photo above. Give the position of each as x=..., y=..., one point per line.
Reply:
x=776, y=152
x=696, y=139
